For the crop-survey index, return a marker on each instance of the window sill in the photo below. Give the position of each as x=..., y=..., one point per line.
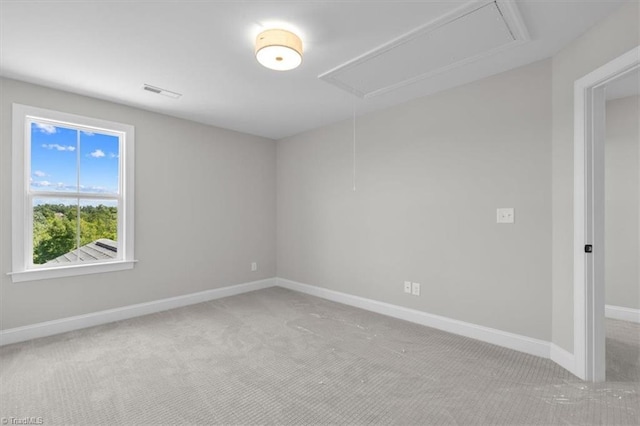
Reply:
x=70, y=271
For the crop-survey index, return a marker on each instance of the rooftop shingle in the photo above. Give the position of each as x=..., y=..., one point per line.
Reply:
x=101, y=249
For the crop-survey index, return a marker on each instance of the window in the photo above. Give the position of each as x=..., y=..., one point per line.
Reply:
x=72, y=194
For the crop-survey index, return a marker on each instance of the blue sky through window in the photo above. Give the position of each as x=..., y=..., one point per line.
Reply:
x=55, y=153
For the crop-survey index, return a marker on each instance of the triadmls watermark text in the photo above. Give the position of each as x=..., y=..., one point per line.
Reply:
x=22, y=421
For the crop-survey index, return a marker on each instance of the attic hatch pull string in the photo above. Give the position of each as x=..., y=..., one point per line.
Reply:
x=354, y=146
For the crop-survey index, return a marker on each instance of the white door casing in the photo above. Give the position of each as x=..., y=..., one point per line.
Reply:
x=588, y=268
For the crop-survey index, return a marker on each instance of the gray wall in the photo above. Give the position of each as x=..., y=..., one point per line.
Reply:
x=205, y=209
x=621, y=202
x=430, y=175
x=609, y=39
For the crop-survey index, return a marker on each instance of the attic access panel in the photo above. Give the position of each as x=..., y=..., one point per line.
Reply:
x=472, y=32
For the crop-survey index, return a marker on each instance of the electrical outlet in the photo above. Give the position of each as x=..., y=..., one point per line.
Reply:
x=254, y=266
x=407, y=287
x=415, y=289
x=506, y=215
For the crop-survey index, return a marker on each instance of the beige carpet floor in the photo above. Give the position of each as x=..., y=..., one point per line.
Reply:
x=279, y=357
x=623, y=351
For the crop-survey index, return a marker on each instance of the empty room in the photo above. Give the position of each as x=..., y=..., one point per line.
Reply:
x=320, y=212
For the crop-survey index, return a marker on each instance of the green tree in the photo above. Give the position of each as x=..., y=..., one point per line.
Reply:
x=59, y=238
x=55, y=228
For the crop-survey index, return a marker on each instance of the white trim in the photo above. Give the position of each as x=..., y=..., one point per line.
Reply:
x=588, y=195
x=23, y=268
x=508, y=9
x=563, y=358
x=49, y=328
x=19, y=235
x=71, y=270
x=621, y=313
x=505, y=339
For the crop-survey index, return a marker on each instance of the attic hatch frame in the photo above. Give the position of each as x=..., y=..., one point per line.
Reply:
x=588, y=197
x=508, y=10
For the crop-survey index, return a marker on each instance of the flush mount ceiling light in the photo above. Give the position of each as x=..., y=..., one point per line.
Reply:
x=279, y=50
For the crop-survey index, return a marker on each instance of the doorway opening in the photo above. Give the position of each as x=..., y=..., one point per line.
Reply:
x=622, y=229
x=589, y=214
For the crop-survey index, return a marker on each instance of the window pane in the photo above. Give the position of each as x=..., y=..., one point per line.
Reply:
x=55, y=230
x=54, y=158
x=99, y=163
x=98, y=230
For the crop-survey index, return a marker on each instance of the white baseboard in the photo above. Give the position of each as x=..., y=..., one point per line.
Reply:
x=517, y=342
x=49, y=328
x=620, y=313
x=490, y=335
x=563, y=358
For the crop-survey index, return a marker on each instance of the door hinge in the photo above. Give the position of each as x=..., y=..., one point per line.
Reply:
x=588, y=248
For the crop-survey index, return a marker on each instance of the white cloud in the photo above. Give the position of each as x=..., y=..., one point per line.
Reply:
x=88, y=133
x=39, y=173
x=61, y=186
x=112, y=155
x=59, y=147
x=53, y=186
x=98, y=153
x=49, y=129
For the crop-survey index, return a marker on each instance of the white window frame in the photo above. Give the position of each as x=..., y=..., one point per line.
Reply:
x=22, y=208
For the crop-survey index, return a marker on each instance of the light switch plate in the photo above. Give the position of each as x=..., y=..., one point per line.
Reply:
x=407, y=287
x=506, y=215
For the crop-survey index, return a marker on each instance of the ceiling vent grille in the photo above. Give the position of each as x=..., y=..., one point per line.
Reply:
x=162, y=92
x=470, y=33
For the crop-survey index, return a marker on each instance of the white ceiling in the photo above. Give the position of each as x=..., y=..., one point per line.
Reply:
x=204, y=50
